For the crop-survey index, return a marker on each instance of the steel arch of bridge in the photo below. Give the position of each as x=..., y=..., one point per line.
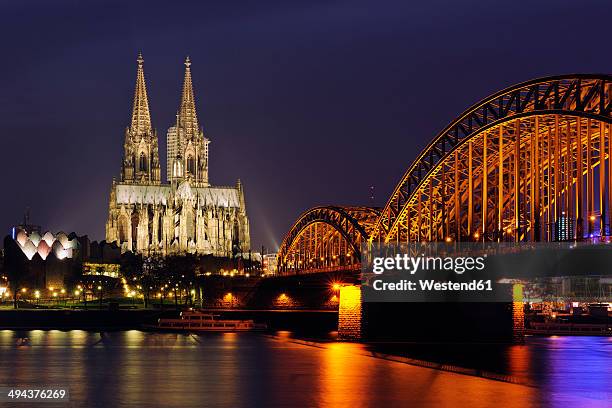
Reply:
x=327, y=237
x=520, y=165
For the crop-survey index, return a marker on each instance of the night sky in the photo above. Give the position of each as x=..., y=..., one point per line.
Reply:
x=307, y=102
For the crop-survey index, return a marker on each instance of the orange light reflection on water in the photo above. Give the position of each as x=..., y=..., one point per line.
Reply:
x=349, y=375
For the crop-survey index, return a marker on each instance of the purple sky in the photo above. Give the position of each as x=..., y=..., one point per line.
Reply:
x=308, y=102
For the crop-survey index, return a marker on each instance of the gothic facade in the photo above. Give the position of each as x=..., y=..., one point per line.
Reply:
x=186, y=213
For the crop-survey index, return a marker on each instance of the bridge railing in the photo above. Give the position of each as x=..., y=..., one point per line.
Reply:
x=324, y=269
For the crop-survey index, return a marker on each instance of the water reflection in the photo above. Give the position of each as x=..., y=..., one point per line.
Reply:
x=519, y=362
x=341, y=382
x=578, y=370
x=137, y=368
x=349, y=381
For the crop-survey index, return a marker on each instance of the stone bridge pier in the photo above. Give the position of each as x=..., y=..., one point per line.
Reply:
x=365, y=321
x=430, y=322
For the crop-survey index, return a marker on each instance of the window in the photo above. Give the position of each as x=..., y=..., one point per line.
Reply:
x=190, y=165
x=143, y=162
x=177, y=170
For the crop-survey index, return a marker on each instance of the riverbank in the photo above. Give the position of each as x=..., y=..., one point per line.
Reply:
x=105, y=320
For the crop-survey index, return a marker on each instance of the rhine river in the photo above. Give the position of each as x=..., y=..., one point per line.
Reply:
x=135, y=368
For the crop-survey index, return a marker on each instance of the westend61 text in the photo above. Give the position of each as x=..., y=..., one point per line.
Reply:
x=404, y=262
x=431, y=285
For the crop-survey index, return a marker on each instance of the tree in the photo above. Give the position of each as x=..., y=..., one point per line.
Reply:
x=152, y=269
x=181, y=274
x=131, y=266
x=15, y=265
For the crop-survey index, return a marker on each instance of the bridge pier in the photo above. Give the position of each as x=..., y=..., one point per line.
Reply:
x=518, y=314
x=350, y=313
x=369, y=321
x=439, y=322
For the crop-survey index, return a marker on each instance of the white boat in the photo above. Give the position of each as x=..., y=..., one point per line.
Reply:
x=199, y=321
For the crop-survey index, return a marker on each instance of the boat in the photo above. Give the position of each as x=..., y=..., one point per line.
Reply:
x=568, y=329
x=196, y=321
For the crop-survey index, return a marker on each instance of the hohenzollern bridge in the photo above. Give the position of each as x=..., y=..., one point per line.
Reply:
x=528, y=163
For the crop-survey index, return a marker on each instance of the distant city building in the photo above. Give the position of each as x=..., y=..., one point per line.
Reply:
x=111, y=270
x=564, y=229
x=270, y=263
x=59, y=245
x=3, y=277
x=185, y=214
x=33, y=259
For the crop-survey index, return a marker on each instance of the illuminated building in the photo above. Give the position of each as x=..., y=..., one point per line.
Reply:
x=269, y=263
x=564, y=229
x=111, y=270
x=34, y=259
x=187, y=147
x=31, y=243
x=185, y=214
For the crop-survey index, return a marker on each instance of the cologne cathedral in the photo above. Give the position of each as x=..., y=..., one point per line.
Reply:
x=186, y=213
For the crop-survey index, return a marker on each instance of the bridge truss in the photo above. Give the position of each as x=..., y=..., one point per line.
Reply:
x=531, y=162
x=327, y=238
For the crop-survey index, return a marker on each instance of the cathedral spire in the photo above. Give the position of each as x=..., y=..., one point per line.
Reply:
x=187, y=112
x=140, y=149
x=141, y=118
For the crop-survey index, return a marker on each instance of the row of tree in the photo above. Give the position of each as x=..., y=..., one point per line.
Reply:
x=176, y=276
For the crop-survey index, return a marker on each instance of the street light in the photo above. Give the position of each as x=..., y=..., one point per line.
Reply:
x=100, y=290
x=591, y=225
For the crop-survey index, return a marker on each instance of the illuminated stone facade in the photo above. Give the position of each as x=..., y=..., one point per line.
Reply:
x=186, y=214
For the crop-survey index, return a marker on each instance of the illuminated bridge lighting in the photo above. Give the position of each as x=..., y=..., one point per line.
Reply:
x=529, y=163
x=326, y=238
x=521, y=161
